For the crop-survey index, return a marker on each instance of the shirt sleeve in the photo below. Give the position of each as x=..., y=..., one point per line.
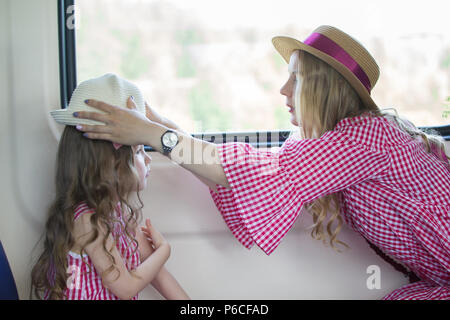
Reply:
x=268, y=189
x=421, y=290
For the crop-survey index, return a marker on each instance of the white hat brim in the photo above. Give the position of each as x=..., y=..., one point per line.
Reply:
x=65, y=117
x=108, y=88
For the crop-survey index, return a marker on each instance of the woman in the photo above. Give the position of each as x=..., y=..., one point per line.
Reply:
x=383, y=176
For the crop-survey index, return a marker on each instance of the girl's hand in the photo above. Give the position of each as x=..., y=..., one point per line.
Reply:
x=153, y=235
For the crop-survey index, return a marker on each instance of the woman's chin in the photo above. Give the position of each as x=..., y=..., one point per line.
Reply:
x=294, y=121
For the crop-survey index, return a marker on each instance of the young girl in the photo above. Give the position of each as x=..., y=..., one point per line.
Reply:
x=93, y=247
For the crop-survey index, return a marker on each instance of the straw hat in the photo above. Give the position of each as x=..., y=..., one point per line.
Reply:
x=108, y=88
x=345, y=54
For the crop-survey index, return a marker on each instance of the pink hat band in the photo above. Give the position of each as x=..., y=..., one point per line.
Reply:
x=331, y=48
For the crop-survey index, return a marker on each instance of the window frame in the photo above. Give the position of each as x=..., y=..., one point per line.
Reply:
x=68, y=83
x=67, y=54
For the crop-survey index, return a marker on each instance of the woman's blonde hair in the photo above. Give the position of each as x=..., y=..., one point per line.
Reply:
x=321, y=100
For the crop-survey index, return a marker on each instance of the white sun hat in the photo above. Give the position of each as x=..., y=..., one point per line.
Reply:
x=108, y=88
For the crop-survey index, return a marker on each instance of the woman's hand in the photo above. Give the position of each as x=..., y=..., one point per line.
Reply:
x=122, y=126
x=153, y=236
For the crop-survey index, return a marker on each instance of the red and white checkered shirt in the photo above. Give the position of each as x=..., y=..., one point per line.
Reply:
x=84, y=281
x=393, y=192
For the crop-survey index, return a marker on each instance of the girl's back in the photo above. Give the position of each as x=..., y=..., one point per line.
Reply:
x=85, y=283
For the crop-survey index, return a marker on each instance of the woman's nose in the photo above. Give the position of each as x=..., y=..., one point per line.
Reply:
x=285, y=89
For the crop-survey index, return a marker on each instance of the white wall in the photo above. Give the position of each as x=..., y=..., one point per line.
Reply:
x=206, y=259
x=29, y=85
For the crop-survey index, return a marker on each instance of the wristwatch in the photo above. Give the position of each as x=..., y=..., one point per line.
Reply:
x=169, y=140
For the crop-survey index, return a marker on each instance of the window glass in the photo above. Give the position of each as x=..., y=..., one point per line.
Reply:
x=210, y=65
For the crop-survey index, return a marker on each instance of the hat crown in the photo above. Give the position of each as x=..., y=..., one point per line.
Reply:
x=355, y=49
x=109, y=88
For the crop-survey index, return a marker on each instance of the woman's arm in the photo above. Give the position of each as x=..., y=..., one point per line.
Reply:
x=152, y=115
x=198, y=156
x=131, y=128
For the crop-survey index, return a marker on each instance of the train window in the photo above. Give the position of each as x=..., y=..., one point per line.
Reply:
x=210, y=65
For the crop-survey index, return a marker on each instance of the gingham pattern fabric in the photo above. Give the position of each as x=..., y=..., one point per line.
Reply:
x=84, y=282
x=391, y=190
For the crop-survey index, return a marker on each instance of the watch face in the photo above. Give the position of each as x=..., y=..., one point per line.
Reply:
x=170, y=139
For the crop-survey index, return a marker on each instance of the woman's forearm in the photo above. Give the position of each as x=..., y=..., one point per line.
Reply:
x=198, y=156
x=174, y=126
x=201, y=158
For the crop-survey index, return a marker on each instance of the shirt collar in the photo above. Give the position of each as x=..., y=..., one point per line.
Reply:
x=354, y=121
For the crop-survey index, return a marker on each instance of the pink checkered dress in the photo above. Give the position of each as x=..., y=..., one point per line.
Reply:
x=394, y=193
x=84, y=282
